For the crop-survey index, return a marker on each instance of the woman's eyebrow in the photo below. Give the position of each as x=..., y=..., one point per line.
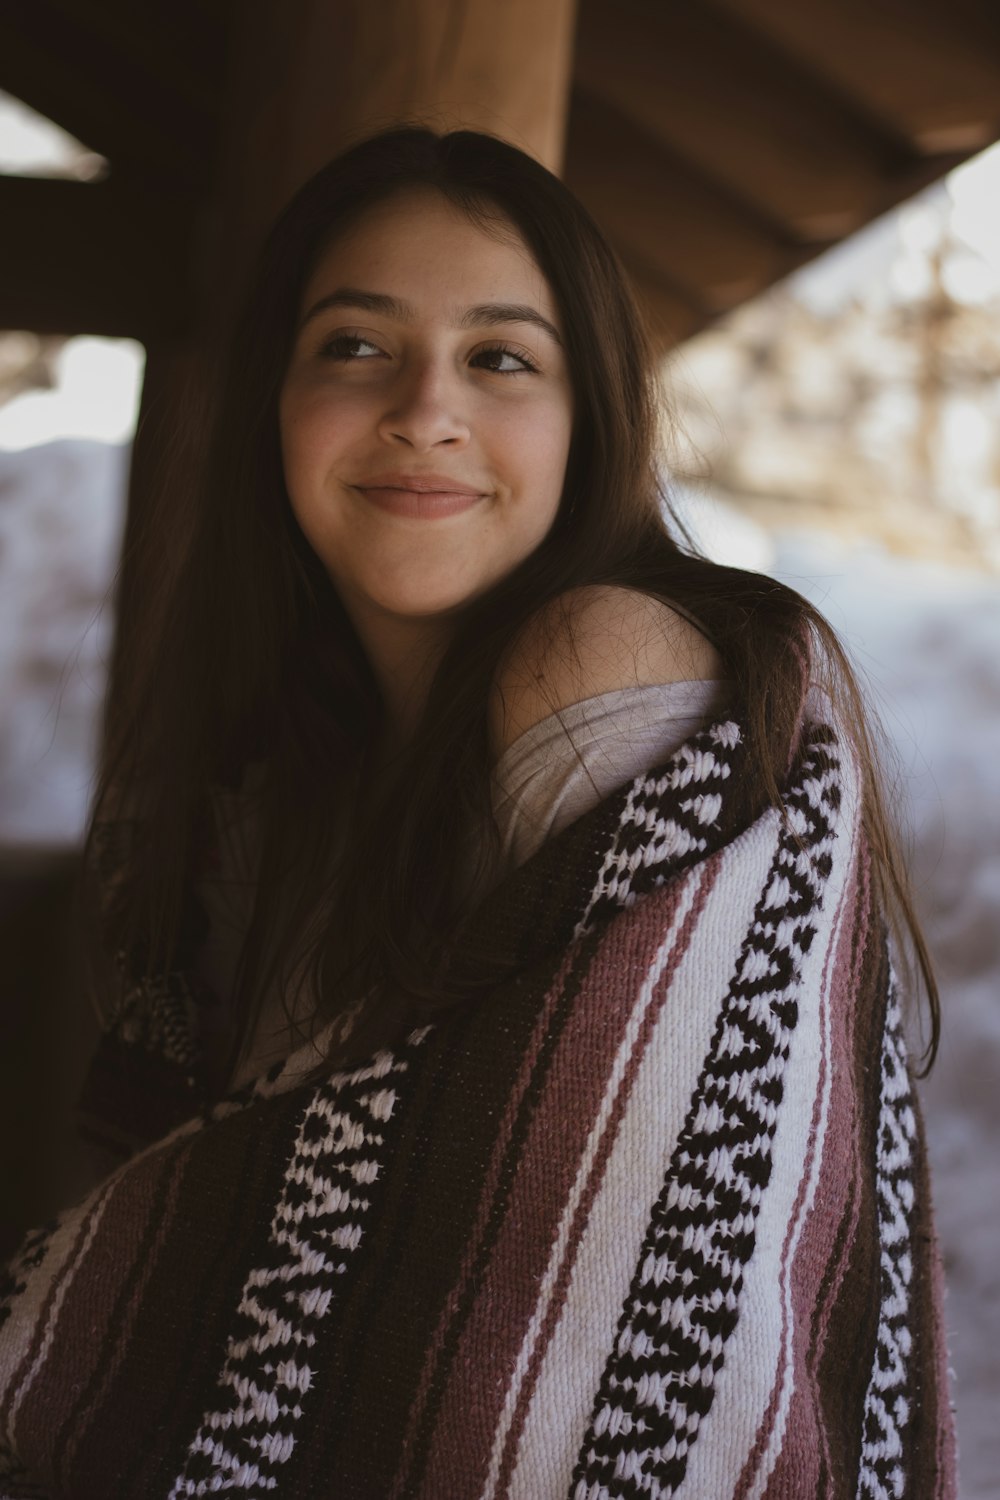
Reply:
x=393, y=307
x=508, y=312
x=349, y=296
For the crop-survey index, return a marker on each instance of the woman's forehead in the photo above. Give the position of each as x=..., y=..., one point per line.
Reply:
x=419, y=241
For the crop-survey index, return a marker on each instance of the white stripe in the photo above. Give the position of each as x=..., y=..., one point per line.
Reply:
x=562, y=1400
x=596, y=1136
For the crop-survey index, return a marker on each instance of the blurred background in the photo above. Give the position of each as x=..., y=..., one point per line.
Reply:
x=807, y=197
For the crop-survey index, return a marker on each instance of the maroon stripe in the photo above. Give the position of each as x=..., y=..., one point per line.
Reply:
x=932, y=1428
x=491, y=1184
x=41, y=1318
x=75, y=1356
x=118, y=1326
x=843, y=1347
x=816, y=1264
x=106, y=1403
x=561, y=1127
x=846, y=1132
x=705, y=879
x=231, y=1179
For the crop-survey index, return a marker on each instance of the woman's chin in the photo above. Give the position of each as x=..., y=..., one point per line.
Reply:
x=428, y=607
x=428, y=601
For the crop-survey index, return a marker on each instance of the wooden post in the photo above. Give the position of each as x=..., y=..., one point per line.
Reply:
x=311, y=76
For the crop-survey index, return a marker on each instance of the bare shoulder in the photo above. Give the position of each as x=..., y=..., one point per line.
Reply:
x=592, y=640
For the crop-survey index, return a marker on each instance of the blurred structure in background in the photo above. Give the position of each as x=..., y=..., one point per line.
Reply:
x=861, y=394
x=831, y=372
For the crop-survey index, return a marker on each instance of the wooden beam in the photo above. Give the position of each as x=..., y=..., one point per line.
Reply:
x=128, y=90
x=92, y=258
x=739, y=110
x=309, y=76
x=479, y=65
x=910, y=64
x=715, y=249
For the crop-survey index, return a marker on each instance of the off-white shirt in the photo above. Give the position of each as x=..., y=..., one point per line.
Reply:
x=551, y=775
x=569, y=762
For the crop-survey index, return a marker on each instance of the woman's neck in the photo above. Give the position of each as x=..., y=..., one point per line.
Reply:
x=404, y=655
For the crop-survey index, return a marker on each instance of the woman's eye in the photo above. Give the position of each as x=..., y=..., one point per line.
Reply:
x=503, y=361
x=349, y=346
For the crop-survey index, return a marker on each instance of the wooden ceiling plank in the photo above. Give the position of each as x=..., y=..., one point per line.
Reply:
x=673, y=313
x=65, y=73
x=652, y=205
x=909, y=63
x=717, y=93
x=91, y=258
x=978, y=20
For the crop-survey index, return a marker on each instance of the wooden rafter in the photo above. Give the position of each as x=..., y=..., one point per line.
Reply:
x=921, y=69
x=704, y=240
x=740, y=111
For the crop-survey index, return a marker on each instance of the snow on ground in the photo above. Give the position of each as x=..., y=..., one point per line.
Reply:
x=928, y=639
x=60, y=531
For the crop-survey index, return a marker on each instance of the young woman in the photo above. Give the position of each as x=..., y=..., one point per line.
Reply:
x=521, y=872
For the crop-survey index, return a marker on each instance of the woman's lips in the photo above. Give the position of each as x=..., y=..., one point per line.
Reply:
x=423, y=504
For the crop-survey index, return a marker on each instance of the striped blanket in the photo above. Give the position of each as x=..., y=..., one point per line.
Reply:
x=649, y=1219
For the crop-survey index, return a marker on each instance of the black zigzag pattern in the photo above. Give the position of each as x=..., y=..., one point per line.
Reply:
x=249, y=1433
x=14, y=1276
x=683, y=1304
x=887, y=1405
x=670, y=819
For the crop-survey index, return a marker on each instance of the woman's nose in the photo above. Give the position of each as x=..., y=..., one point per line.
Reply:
x=426, y=409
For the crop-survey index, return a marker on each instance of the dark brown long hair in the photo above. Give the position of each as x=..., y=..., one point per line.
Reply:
x=239, y=652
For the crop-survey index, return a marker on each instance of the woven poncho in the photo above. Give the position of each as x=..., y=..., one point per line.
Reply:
x=651, y=1218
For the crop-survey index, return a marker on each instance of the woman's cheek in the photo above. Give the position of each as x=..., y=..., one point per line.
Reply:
x=310, y=432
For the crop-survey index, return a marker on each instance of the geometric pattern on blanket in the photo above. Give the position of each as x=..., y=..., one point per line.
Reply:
x=649, y=844
x=649, y=1220
x=684, y=1300
x=318, y=1224
x=887, y=1403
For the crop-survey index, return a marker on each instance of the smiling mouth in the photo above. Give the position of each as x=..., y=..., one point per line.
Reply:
x=421, y=503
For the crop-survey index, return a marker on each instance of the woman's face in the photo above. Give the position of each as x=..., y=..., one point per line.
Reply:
x=426, y=411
